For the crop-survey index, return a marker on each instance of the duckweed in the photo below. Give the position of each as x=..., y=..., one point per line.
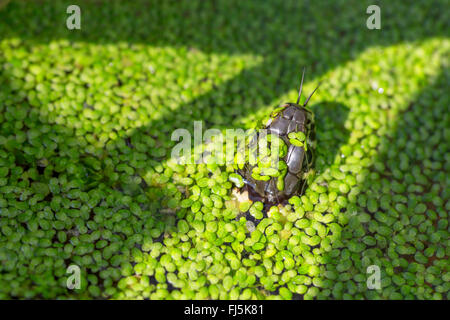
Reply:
x=87, y=177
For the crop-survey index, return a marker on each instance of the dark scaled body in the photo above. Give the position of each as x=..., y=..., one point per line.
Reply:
x=285, y=121
x=292, y=118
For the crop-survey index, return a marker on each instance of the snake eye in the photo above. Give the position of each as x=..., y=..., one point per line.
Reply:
x=275, y=112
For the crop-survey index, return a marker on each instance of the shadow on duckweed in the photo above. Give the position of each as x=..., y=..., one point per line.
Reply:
x=386, y=219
